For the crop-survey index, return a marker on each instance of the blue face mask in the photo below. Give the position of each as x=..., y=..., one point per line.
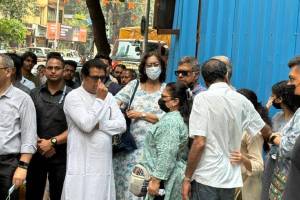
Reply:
x=153, y=72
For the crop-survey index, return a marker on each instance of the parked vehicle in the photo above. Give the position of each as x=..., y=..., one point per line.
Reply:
x=40, y=52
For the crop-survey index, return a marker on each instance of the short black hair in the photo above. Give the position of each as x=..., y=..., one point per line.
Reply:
x=294, y=61
x=142, y=67
x=30, y=55
x=97, y=63
x=17, y=64
x=105, y=57
x=281, y=90
x=71, y=63
x=213, y=70
x=55, y=55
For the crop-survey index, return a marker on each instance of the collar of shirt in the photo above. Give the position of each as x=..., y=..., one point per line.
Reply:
x=44, y=88
x=8, y=92
x=198, y=88
x=218, y=86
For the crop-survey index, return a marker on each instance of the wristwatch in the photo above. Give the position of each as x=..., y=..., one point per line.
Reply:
x=53, y=141
x=23, y=164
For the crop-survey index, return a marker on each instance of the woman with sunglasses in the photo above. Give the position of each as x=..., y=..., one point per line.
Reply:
x=166, y=144
x=143, y=112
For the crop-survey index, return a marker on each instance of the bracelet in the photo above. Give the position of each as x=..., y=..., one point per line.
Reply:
x=23, y=165
x=187, y=179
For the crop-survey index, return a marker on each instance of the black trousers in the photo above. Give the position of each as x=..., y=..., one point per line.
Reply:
x=8, y=165
x=38, y=170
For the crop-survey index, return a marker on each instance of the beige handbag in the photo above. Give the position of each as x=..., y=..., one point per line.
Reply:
x=139, y=181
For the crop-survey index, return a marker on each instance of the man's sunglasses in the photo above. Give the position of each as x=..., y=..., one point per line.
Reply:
x=183, y=73
x=96, y=78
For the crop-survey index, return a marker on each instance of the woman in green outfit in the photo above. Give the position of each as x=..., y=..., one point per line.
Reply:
x=166, y=144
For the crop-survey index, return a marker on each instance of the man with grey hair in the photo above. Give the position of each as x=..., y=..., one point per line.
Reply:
x=188, y=72
x=228, y=63
x=17, y=131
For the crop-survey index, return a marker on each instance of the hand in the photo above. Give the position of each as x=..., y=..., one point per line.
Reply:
x=270, y=102
x=50, y=153
x=277, y=140
x=186, y=190
x=236, y=157
x=19, y=177
x=153, y=187
x=101, y=91
x=44, y=146
x=131, y=114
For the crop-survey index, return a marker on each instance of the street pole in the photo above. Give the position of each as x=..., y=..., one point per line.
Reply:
x=145, y=43
x=56, y=25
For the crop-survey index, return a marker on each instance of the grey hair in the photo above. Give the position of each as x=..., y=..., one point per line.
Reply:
x=6, y=61
x=228, y=63
x=191, y=61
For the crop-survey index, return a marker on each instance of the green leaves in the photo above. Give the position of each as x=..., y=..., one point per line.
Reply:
x=16, y=9
x=12, y=30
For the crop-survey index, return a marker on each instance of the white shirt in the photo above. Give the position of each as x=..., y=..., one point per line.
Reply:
x=221, y=115
x=89, y=172
x=27, y=83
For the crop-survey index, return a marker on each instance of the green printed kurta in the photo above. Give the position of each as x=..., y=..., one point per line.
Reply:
x=165, y=153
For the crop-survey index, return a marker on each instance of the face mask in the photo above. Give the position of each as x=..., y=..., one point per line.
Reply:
x=153, y=72
x=162, y=105
x=276, y=105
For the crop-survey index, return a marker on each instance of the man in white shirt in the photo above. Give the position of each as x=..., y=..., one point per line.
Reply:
x=93, y=117
x=218, y=119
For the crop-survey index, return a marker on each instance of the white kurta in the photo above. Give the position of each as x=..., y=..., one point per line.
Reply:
x=89, y=148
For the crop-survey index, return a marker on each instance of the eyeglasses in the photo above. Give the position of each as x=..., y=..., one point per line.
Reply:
x=3, y=67
x=183, y=73
x=53, y=68
x=96, y=78
x=153, y=65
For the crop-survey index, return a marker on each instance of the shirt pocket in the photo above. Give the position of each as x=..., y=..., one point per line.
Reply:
x=7, y=119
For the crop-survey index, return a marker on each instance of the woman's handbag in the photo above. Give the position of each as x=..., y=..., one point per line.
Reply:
x=125, y=142
x=139, y=181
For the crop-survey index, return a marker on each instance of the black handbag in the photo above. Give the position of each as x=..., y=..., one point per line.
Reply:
x=125, y=142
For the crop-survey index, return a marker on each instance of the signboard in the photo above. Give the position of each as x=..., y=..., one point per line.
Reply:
x=51, y=30
x=66, y=33
x=82, y=35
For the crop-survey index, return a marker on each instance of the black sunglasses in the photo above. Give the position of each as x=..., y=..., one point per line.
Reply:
x=183, y=73
x=96, y=78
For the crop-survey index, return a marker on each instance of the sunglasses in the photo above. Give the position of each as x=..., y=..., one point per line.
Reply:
x=183, y=73
x=96, y=78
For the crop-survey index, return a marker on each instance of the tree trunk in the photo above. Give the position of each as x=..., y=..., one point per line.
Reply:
x=99, y=28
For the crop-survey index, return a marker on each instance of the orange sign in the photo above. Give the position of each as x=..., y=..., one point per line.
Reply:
x=51, y=31
x=82, y=35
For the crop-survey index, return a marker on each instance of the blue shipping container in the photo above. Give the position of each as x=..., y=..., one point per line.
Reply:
x=259, y=37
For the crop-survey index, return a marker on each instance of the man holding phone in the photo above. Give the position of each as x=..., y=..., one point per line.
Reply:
x=17, y=131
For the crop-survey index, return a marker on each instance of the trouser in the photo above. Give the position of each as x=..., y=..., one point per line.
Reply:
x=38, y=170
x=200, y=191
x=8, y=165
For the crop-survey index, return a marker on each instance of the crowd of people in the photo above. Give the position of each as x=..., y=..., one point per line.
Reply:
x=57, y=131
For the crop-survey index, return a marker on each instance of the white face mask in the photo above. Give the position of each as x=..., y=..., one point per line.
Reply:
x=153, y=72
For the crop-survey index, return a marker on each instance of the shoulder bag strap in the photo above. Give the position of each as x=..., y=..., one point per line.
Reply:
x=133, y=94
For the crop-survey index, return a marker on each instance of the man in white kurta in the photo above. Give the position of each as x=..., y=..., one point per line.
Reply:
x=93, y=117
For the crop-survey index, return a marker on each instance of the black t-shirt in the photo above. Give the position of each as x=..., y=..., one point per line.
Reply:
x=51, y=120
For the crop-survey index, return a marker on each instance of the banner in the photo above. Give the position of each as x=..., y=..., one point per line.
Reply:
x=51, y=30
x=67, y=33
